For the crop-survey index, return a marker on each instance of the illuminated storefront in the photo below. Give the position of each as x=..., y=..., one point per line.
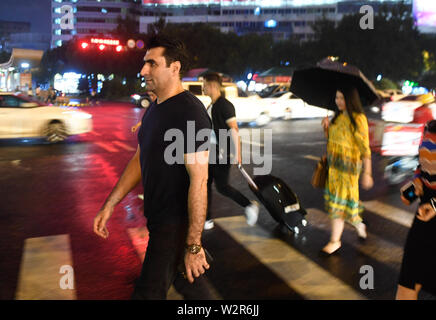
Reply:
x=16, y=73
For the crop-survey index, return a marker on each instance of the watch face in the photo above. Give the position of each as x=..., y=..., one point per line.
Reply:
x=194, y=248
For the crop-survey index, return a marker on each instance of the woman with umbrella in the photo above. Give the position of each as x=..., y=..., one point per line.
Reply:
x=347, y=152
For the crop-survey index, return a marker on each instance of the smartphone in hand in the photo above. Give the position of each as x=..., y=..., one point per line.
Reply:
x=408, y=192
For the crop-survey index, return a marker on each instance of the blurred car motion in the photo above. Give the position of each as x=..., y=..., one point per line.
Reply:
x=286, y=105
x=403, y=109
x=22, y=117
x=249, y=110
x=274, y=88
x=141, y=100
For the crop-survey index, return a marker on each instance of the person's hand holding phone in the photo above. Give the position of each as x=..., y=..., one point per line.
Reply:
x=408, y=193
x=419, y=190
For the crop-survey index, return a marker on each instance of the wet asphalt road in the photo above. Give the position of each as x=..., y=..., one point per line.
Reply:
x=57, y=189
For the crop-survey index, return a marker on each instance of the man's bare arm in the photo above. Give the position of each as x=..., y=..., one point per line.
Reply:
x=128, y=180
x=197, y=165
x=233, y=125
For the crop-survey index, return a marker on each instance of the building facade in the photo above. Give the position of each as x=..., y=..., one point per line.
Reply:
x=9, y=28
x=283, y=19
x=89, y=17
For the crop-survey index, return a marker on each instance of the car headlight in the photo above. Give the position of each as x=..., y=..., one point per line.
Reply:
x=136, y=96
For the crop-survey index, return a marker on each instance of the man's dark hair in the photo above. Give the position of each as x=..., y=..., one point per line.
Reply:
x=174, y=50
x=213, y=77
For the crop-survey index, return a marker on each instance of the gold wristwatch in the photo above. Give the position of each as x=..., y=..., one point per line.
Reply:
x=193, y=248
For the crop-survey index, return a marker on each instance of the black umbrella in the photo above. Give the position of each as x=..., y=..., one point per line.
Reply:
x=317, y=85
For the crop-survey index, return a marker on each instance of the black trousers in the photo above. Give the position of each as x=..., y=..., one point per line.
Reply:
x=161, y=267
x=220, y=174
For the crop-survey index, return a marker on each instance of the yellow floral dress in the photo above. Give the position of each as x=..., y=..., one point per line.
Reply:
x=346, y=148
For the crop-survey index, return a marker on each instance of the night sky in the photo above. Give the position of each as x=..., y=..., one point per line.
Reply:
x=37, y=12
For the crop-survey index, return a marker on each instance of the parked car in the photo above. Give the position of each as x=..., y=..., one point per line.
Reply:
x=23, y=117
x=287, y=106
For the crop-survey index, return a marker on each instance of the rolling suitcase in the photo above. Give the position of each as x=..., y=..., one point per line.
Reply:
x=280, y=201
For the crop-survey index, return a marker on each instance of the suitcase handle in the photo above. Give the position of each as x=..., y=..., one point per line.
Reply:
x=247, y=177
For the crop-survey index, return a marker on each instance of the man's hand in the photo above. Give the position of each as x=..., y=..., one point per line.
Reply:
x=426, y=212
x=195, y=265
x=100, y=221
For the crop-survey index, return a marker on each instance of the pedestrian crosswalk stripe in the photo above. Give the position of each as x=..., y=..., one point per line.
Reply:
x=124, y=146
x=106, y=146
x=44, y=264
x=300, y=273
x=375, y=247
x=389, y=212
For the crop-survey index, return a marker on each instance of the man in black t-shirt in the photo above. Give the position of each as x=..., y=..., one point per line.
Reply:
x=175, y=187
x=224, y=143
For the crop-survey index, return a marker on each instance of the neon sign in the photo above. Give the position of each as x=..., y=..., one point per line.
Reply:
x=109, y=42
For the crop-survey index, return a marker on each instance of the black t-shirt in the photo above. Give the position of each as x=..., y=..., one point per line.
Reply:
x=223, y=110
x=164, y=174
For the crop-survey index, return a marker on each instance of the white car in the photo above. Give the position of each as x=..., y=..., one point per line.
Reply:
x=403, y=110
x=21, y=117
x=248, y=109
x=287, y=106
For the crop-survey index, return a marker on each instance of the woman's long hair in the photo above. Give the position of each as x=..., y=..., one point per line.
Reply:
x=352, y=103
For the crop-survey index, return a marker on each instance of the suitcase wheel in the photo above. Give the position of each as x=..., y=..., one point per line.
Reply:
x=296, y=230
x=304, y=222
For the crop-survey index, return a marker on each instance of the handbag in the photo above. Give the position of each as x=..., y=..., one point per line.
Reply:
x=320, y=174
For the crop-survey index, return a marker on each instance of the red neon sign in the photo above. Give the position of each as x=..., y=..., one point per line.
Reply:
x=109, y=42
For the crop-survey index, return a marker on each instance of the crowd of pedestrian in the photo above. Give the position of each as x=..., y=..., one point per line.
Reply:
x=177, y=197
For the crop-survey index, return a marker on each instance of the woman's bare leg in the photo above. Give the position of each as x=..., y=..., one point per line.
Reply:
x=335, y=238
